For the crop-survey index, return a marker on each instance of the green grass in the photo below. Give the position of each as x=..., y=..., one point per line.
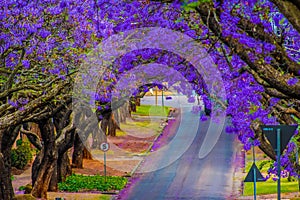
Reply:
x=270, y=186
x=152, y=110
x=151, y=125
x=77, y=183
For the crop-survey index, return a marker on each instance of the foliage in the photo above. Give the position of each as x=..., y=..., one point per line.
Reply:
x=76, y=183
x=27, y=188
x=21, y=155
x=19, y=142
x=254, y=43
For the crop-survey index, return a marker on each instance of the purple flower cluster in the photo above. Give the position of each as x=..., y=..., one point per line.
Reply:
x=56, y=36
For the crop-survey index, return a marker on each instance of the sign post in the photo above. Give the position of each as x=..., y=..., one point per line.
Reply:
x=279, y=136
x=104, y=146
x=254, y=175
x=278, y=163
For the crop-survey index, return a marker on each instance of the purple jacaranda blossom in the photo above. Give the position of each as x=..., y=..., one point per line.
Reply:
x=44, y=33
x=13, y=103
x=268, y=59
x=292, y=81
x=26, y=64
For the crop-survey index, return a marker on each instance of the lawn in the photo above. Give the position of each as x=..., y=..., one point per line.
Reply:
x=141, y=126
x=270, y=186
x=152, y=110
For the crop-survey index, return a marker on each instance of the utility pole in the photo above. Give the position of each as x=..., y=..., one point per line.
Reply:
x=156, y=95
x=162, y=98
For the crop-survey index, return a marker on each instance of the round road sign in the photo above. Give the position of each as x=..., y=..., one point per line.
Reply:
x=104, y=146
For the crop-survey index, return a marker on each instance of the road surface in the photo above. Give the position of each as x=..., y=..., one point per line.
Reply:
x=189, y=177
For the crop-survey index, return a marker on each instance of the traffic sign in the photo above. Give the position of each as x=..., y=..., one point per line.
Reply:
x=250, y=175
x=104, y=146
x=287, y=131
x=279, y=136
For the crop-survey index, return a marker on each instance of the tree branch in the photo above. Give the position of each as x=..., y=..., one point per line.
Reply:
x=33, y=138
x=291, y=11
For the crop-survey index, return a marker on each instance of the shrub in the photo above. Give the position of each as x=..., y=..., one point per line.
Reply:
x=21, y=156
x=19, y=142
x=75, y=183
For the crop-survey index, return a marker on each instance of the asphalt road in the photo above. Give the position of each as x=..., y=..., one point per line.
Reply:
x=188, y=177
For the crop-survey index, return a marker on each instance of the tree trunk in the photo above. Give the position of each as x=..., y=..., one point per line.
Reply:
x=105, y=122
x=53, y=187
x=112, y=126
x=96, y=142
x=62, y=170
x=64, y=127
x=6, y=189
x=65, y=167
x=35, y=166
x=48, y=162
x=117, y=116
x=138, y=101
x=132, y=104
x=77, y=157
x=124, y=113
x=87, y=154
x=7, y=139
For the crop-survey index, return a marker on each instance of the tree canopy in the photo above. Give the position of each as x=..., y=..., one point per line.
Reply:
x=255, y=46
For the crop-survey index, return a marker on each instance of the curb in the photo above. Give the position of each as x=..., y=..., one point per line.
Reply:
x=147, y=151
x=238, y=177
x=111, y=193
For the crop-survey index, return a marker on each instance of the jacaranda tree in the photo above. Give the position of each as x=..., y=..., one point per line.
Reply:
x=40, y=45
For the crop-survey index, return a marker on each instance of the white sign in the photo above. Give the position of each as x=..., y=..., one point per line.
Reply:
x=104, y=146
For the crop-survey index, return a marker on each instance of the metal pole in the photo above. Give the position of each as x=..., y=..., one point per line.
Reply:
x=297, y=161
x=105, y=166
x=254, y=175
x=156, y=95
x=162, y=98
x=278, y=163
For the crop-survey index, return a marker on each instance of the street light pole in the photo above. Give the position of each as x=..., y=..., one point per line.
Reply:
x=156, y=95
x=162, y=98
